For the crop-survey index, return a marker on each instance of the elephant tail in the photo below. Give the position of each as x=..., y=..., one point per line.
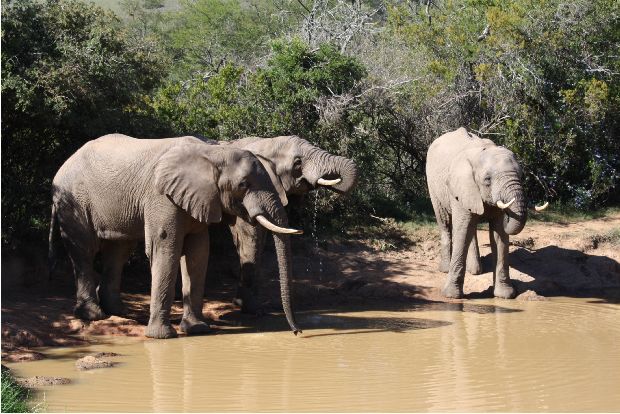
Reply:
x=53, y=236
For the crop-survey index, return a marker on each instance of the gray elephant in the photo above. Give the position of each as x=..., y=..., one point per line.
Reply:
x=469, y=179
x=116, y=190
x=299, y=167
x=295, y=167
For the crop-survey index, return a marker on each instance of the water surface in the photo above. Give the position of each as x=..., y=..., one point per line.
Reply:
x=482, y=355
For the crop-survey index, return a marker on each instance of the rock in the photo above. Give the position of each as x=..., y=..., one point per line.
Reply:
x=525, y=243
x=40, y=381
x=21, y=355
x=106, y=354
x=93, y=362
x=530, y=295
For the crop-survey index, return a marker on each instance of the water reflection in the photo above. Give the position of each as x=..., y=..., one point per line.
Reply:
x=471, y=356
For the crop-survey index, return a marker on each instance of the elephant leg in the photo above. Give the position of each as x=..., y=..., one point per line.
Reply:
x=164, y=252
x=194, y=262
x=249, y=241
x=82, y=245
x=114, y=255
x=474, y=266
x=463, y=229
x=502, y=286
x=445, y=234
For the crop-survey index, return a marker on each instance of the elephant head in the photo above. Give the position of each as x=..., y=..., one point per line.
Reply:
x=301, y=166
x=487, y=179
x=231, y=181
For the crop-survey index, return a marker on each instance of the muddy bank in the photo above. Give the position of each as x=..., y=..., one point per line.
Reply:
x=398, y=268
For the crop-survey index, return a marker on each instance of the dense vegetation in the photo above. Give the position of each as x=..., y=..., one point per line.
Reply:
x=14, y=396
x=374, y=80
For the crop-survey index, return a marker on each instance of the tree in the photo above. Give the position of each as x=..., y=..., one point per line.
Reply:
x=543, y=83
x=70, y=73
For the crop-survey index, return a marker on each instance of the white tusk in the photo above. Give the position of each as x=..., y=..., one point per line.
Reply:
x=276, y=229
x=541, y=208
x=503, y=206
x=323, y=181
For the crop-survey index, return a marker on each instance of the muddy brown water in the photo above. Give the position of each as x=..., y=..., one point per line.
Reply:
x=480, y=355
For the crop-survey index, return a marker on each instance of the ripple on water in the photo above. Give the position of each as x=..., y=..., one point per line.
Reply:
x=493, y=355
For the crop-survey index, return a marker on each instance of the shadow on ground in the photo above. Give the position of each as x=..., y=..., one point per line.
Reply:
x=557, y=271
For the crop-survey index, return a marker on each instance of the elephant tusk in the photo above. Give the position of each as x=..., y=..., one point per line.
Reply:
x=504, y=206
x=323, y=181
x=541, y=208
x=276, y=229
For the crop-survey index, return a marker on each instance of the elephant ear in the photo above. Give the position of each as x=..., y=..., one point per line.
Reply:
x=462, y=185
x=189, y=179
x=275, y=179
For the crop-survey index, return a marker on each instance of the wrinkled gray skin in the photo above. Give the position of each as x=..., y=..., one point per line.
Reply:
x=466, y=177
x=297, y=165
x=117, y=190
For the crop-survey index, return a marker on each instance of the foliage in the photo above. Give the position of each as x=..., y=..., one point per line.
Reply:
x=281, y=98
x=376, y=81
x=543, y=83
x=70, y=73
x=14, y=397
x=206, y=35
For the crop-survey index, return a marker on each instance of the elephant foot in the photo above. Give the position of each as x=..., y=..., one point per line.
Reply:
x=160, y=331
x=113, y=305
x=194, y=327
x=451, y=290
x=89, y=310
x=504, y=290
x=474, y=268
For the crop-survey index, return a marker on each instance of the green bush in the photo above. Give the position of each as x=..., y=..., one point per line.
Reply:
x=540, y=77
x=14, y=397
x=70, y=73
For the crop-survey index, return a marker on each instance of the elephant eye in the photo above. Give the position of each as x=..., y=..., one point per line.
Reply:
x=243, y=185
x=487, y=180
x=297, y=163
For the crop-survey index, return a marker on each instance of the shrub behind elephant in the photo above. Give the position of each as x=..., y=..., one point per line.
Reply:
x=469, y=179
x=117, y=190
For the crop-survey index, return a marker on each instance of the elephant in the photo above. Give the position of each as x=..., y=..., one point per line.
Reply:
x=117, y=190
x=470, y=179
x=295, y=167
x=299, y=167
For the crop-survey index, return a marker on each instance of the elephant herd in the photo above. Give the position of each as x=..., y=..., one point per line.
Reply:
x=117, y=190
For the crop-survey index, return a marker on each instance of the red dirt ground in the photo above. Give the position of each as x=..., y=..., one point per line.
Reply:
x=547, y=259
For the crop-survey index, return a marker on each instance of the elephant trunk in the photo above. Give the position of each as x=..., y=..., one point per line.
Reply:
x=325, y=165
x=283, y=250
x=515, y=215
x=276, y=214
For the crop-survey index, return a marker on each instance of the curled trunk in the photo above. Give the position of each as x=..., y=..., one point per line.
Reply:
x=515, y=216
x=328, y=166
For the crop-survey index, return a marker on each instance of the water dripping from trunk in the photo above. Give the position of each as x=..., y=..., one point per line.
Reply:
x=315, y=231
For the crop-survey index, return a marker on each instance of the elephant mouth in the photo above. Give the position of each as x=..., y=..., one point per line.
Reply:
x=326, y=181
x=301, y=186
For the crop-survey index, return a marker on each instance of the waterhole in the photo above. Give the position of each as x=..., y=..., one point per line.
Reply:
x=493, y=355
